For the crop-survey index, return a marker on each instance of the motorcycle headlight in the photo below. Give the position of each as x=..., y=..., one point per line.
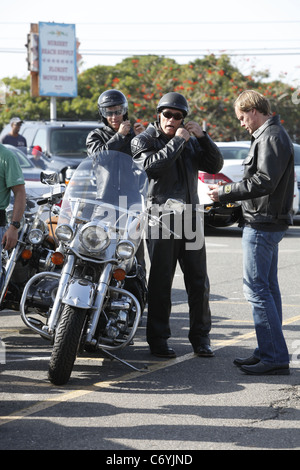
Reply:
x=37, y=232
x=94, y=238
x=64, y=233
x=125, y=250
x=35, y=236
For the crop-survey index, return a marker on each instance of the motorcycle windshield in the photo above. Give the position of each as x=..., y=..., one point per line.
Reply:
x=107, y=186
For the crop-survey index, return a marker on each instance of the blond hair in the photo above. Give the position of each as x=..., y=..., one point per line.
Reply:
x=251, y=99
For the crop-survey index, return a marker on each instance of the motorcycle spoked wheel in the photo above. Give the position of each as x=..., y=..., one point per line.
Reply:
x=66, y=344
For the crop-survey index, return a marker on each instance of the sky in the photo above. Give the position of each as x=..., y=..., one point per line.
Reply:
x=258, y=34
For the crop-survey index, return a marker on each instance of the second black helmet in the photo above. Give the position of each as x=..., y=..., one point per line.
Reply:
x=112, y=98
x=173, y=100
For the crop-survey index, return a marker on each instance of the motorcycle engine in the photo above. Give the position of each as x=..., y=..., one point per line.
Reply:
x=42, y=294
x=117, y=319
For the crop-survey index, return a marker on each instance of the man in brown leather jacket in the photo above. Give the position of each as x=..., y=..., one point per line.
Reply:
x=172, y=153
x=266, y=192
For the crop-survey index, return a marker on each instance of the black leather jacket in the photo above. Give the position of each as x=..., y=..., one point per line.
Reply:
x=105, y=138
x=118, y=170
x=267, y=188
x=172, y=164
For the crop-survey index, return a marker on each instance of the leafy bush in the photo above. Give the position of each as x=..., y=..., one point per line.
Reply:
x=210, y=85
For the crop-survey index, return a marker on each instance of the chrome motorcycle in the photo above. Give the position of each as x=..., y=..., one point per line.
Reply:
x=36, y=244
x=101, y=292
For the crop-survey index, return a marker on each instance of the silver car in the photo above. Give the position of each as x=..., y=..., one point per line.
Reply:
x=234, y=153
x=297, y=170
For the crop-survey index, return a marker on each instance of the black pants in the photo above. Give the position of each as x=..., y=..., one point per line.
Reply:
x=164, y=254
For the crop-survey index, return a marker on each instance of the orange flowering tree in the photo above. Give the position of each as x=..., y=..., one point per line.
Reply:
x=210, y=85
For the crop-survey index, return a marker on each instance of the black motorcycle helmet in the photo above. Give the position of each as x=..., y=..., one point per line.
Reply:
x=173, y=100
x=112, y=98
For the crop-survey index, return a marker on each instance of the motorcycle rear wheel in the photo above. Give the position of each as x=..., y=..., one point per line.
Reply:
x=66, y=344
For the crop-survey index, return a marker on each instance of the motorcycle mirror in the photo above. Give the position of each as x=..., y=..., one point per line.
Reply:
x=48, y=177
x=174, y=205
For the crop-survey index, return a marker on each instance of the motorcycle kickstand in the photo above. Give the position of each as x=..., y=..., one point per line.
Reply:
x=112, y=356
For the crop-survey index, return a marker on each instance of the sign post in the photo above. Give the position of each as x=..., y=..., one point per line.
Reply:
x=57, y=62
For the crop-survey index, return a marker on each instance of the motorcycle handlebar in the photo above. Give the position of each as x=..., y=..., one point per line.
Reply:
x=42, y=201
x=55, y=198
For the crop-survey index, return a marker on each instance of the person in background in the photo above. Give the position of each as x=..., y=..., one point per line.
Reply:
x=172, y=152
x=266, y=192
x=36, y=158
x=13, y=137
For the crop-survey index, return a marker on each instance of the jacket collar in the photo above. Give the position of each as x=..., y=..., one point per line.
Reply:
x=270, y=122
x=159, y=132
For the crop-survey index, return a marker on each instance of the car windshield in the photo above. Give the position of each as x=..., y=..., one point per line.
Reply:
x=70, y=142
x=234, y=153
x=297, y=154
x=23, y=160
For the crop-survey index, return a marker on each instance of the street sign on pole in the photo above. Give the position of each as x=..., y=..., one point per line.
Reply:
x=57, y=60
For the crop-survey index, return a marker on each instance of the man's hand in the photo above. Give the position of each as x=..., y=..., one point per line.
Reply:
x=138, y=128
x=182, y=132
x=194, y=129
x=124, y=128
x=214, y=192
x=10, y=238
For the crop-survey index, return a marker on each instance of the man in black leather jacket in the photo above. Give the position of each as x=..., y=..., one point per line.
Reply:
x=266, y=192
x=116, y=135
x=117, y=132
x=171, y=153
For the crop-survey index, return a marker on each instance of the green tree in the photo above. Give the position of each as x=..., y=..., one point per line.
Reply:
x=210, y=85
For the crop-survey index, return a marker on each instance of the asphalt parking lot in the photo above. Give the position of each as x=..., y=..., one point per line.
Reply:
x=168, y=407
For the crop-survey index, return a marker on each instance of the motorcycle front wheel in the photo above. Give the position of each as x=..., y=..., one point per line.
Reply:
x=66, y=344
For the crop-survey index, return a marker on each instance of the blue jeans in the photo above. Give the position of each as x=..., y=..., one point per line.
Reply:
x=261, y=289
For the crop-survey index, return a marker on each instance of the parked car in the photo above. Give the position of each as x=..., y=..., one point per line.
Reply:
x=63, y=142
x=30, y=171
x=224, y=215
x=297, y=169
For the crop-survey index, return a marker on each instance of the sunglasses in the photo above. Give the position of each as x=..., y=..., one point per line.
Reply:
x=114, y=113
x=117, y=112
x=169, y=115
